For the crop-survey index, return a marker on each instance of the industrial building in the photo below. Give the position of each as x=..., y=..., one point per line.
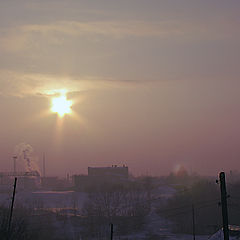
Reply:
x=99, y=176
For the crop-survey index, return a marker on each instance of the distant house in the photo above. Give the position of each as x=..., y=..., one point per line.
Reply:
x=114, y=172
x=234, y=233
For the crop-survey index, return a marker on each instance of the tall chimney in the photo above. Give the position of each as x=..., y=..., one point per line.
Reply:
x=14, y=164
x=44, y=167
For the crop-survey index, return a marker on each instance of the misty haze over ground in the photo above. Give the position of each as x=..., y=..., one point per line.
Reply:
x=143, y=207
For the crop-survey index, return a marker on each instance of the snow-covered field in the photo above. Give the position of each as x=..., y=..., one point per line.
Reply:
x=64, y=200
x=46, y=199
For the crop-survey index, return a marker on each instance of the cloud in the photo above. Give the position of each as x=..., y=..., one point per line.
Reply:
x=13, y=40
x=27, y=35
x=22, y=84
x=116, y=29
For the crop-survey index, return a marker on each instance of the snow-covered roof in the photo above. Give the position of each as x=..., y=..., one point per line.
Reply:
x=234, y=233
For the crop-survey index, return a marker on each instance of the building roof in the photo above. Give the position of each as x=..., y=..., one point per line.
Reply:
x=234, y=233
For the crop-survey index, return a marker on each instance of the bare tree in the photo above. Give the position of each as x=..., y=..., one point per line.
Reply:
x=122, y=205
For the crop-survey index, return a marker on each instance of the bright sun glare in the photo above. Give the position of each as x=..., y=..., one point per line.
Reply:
x=61, y=105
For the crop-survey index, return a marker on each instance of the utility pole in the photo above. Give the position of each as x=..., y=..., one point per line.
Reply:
x=11, y=209
x=224, y=205
x=44, y=167
x=111, y=229
x=193, y=222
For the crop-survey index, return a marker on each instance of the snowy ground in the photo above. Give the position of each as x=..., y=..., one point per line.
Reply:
x=46, y=199
x=54, y=200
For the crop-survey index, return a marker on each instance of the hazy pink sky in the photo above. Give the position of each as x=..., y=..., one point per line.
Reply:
x=154, y=83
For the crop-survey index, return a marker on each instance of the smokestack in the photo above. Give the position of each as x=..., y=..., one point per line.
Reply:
x=44, y=167
x=14, y=164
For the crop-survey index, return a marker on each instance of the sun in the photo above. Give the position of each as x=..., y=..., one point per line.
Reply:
x=61, y=105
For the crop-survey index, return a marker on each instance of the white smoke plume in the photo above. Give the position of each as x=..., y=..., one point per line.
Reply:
x=25, y=153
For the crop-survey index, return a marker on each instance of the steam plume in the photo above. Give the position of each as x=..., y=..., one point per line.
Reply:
x=24, y=153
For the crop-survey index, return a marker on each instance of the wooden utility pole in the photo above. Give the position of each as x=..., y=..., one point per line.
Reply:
x=224, y=205
x=111, y=229
x=11, y=209
x=193, y=222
